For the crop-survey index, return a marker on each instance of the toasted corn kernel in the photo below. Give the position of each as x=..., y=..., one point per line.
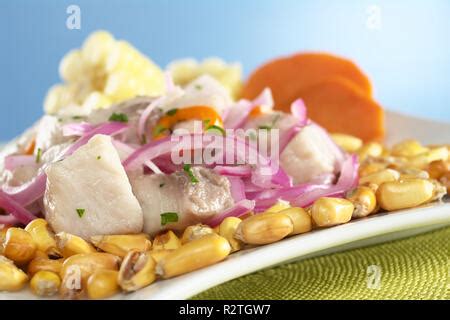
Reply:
x=301, y=220
x=43, y=237
x=195, y=232
x=2, y=238
x=372, y=167
x=45, y=283
x=120, y=245
x=380, y=177
x=70, y=244
x=421, y=161
x=102, y=284
x=364, y=200
x=137, y=271
x=264, y=228
x=44, y=264
x=194, y=255
x=18, y=246
x=166, y=241
x=370, y=149
x=12, y=278
x=445, y=180
x=347, y=142
x=413, y=173
x=437, y=169
x=227, y=229
x=158, y=255
x=404, y=194
x=327, y=212
x=279, y=206
x=408, y=148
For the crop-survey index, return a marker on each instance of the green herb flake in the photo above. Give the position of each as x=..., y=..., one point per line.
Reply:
x=216, y=128
x=168, y=217
x=265, y=127
x=77, y=117
x=162, y=185
x=80, y=212
x=158, y=130
x=118, y=117
x=171, y=112
x=99, y=157
x=188, y=169
x=38, y=155
x=198, y=87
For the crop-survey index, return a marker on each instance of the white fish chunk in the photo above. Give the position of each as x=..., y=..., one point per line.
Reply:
x=89, y=193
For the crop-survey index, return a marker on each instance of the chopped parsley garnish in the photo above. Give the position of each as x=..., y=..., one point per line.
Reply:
x=188, y=169
x=80, y=212
x=159, y=129
x=216, y=128
x=77, y=117
x=206, y=122
x=198, y=87
x=99, y=157
x=161, y=185
x=168, y=217
x=265, y=127
x=118, y=117
x=171, y=112
x=38, y=155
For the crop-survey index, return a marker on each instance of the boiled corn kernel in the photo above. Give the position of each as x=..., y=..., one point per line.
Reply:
x=227, y=229
x=370, y=149
x=44, y=264
x=102, y=284
x=279, y=206
x=72, y=66
x=195, y=232
x=380, y=177
x=194, y=255
x=327, y=212
x=158, y=255
x=45, y=283
x=264, y=228
x=70, y=244
x=137, y=271
x=371, y=167
x=166, y=241
x=301, y=220
x=408, y=148
x=18, y=245
x=12, y=278
x=43, y=237
x=421, y=161
x=347, y=142
x=96, y=48
x=364, y=200
x=120, y=245
x=405, y=194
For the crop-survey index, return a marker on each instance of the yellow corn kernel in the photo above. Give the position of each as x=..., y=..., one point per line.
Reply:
x=70, y=245
x=194, y=255
x=96, y=100
x=364, y=200
x=347, y=142
x=137, y=271
x=227, y=229
x=421, y=161
x=2, y=239
x=409, y=193
x=216, y=229
x=408, y=148
x=166, y=241
x=18, y=245
x=120, y=245
x=437, y=169
x=96, y=48
x=380, y=177
x=102, y=284
x=11, y=277
x=327, y=212
x=264, y=228
x=370, y=149
x=158, y=255
x=279, y=206
x=195, y=232
x=371, y=167
x=301, y=220
x=72, y=67
x=43, y=237
x=45, y=283
x=44, y=264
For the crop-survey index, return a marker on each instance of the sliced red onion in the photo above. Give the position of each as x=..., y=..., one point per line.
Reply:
x=29, y=192
x=239, y=209
x=12, y=207
x=234, y=171
x=8, y=220
x=237, y=188
x=298, y=110
x=152, y=166
x=144, y=116
x=76, y=129
x=339, y=154
x=287, y=136
x=12, y=162
x=124, y=148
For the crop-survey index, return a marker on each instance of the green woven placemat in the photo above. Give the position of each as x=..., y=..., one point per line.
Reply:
x=412, y=268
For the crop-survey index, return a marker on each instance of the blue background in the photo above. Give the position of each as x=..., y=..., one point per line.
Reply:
x=408, y=58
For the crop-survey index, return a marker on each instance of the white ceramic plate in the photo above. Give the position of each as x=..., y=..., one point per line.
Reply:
x=374, y=229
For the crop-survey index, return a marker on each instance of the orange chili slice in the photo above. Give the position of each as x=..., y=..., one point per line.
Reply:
x=172, y=117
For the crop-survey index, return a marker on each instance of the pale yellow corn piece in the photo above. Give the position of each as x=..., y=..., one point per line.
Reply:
x=45, y=283
x=166, y=241
x=411, y=173
x=380, y=177
x=364, y=200
x=327, y=212
x=72, y=67
x=195, y=232
x=301, y=220
x=227, y=229
x=96, y=48
x=43, y=237
x=405, y=194
x=120, y=245
x=371, y=167
x=184, y=71
x=11, y=277
x=158, y=255
x=437, y=169
x=194, y=255
x=102, y=284
x=370, y=149
x=96, y=100
x=57, y=97
x=70, y=245
x=408, y=148
x=279, y=206
x=264, y=228
x=44, y=264
x=421, y=161
x=137, y=271
x=347, y=142
x=19, y=246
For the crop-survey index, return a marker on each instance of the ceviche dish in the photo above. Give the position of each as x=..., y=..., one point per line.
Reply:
x=136, y=174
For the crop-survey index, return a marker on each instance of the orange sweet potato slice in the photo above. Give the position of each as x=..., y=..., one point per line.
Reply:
x=289, y=76
x=340, y=106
